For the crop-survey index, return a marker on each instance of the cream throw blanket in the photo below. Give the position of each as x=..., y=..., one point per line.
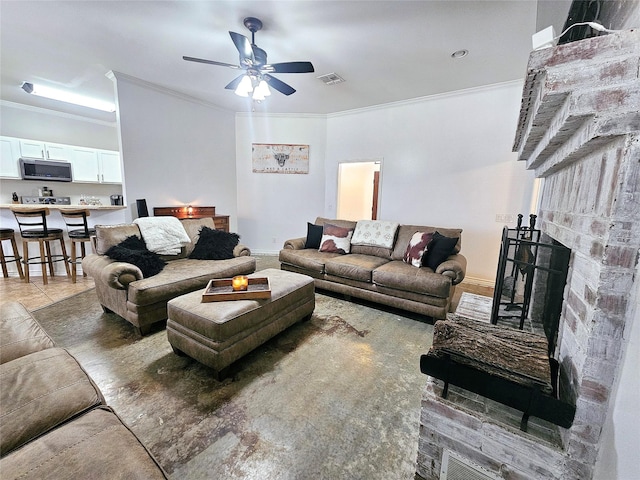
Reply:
x=163, y=235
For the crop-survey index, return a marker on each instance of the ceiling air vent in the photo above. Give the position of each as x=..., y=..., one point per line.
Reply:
x=331, y=78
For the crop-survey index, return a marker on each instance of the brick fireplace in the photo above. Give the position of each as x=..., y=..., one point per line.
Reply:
x=579, y=130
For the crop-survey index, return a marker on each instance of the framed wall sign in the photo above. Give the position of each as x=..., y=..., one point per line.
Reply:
x=280, y=158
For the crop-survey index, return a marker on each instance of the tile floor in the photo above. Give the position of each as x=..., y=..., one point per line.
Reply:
x=35, y=294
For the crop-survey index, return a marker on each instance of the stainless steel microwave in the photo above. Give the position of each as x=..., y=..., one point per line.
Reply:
x=33, y=169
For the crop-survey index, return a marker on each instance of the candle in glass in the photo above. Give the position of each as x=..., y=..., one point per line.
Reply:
x=239, y=283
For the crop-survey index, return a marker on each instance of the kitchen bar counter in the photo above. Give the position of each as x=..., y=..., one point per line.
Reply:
x=35, y=206
x=98, y=215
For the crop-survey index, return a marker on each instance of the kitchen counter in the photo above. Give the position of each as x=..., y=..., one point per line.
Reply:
x=63, y=207
x=98, y=215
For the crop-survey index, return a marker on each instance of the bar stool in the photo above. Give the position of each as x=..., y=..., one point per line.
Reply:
x=77, y=218
x=9, y=234
x=33, y=228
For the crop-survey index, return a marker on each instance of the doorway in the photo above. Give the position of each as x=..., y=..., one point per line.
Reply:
x=358, y=190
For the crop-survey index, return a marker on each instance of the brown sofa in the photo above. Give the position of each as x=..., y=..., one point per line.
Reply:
x=379, y=274
x=122, y=289
x=53, y=419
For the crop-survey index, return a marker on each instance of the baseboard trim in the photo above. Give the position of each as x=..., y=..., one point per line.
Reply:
x=482, y=282
x=265, y=252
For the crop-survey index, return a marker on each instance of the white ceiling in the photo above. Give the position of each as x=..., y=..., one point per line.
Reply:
x=386, y=51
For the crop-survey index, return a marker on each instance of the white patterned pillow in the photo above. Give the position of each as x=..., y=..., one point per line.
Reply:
x=375, y=233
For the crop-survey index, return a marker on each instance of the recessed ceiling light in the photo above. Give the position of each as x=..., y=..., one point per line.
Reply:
x=67, y=97
x=459, y=53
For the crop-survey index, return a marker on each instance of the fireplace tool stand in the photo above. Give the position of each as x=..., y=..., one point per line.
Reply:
x=516, y=265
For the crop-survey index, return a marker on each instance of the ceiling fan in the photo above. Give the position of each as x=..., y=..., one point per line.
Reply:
x=253, y=60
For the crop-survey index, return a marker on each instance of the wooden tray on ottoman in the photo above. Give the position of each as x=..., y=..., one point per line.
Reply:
x=220, y=290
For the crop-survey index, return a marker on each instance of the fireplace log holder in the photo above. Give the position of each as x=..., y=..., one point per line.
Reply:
x=527, y=399
x=500, y=363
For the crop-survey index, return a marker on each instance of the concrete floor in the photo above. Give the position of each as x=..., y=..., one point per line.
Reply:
x=335, y=397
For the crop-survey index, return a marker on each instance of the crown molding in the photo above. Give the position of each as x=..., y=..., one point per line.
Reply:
x=281, y=115
x=384, y=106
x=427, y=98
x=46, y=111
x=117, y=76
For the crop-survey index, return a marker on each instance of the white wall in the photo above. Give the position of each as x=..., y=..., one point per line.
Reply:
x=275, y=207
x=176, y=150
x=447, y=162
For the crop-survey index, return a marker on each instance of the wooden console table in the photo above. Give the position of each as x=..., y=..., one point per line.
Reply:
x=221, y=222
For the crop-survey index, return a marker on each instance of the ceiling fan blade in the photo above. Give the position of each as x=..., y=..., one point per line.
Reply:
x=233, y=84
x=279, y=85
x=211, y=62
x=243, y=45
x=290, y=67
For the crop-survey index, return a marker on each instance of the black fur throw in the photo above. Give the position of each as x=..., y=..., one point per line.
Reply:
x=133, y=250
x=214, y=245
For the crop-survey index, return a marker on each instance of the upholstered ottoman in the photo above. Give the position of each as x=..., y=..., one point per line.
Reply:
x=218, y=333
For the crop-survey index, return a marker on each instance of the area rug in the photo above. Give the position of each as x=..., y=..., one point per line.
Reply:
x=334, y=397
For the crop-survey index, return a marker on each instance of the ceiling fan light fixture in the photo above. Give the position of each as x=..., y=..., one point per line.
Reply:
x=253, y=60
x=245, y=87
x=68, y=97
x=263, y=88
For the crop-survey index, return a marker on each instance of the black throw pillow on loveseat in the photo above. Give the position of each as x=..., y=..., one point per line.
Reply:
x=214, y=245
x=133, y=250
x=438, y=250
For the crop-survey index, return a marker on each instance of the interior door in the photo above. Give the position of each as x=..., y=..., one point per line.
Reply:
x=374, y=202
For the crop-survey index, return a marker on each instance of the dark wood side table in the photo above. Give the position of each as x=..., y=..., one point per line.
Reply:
x=220, y=221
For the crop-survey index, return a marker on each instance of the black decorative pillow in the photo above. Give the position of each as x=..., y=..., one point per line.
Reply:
x=314, y=235
x=438, y=250
x=214, y=245
x=133, y=250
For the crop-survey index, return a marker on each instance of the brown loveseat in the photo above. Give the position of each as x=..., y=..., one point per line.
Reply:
x=379, y=274
x=122, y=288
x=54, y=423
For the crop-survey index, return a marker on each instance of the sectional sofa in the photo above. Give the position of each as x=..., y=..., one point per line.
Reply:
x=54, y=423
x=376, y=270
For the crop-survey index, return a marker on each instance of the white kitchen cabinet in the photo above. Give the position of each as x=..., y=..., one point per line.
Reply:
x=96, y=166
x=89, y=165
x=31, y=149
x=54, y=151
x=47, y=151
x=9, y=154
x=110, y=166
x=84, y=163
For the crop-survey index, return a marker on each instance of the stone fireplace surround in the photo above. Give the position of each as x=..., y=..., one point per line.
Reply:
x=579, y=130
